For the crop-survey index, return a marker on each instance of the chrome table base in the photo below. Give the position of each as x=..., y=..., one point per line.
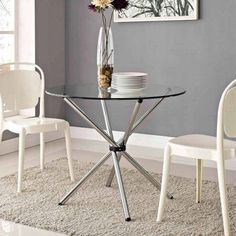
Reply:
x=117, y=149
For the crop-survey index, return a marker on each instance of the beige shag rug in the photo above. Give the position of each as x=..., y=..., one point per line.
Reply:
x=96, y=209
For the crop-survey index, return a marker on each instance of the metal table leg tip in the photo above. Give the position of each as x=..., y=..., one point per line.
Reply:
x=60, y=204
x=108, y=185
x=128, y=219
x=170, y=196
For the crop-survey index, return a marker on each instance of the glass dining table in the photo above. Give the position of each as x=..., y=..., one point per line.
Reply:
x=72, y=93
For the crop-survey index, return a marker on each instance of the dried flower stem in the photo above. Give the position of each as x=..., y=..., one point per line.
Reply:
x=107, y=28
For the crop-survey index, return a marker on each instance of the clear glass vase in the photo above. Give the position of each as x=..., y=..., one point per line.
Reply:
x=105, y=57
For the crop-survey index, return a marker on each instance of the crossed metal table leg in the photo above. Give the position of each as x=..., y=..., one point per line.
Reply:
x=117, y=149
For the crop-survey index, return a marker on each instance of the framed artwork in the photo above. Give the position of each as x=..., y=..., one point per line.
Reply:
x=158, y=10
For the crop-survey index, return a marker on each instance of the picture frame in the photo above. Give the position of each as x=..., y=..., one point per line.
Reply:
x=167, y=10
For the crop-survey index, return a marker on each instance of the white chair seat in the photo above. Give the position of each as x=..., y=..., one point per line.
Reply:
x=201, y=146
x=34, y=124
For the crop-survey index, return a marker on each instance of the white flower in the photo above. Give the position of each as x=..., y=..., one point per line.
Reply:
x=102, y=3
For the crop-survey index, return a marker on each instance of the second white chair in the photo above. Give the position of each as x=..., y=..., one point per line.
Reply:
x=22, y=86
x=203, y=147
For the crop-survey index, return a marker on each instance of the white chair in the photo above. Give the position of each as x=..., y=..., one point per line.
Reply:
x=203, y=147
x=22, y=86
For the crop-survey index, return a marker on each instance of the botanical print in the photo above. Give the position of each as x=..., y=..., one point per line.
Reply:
x=159, y=10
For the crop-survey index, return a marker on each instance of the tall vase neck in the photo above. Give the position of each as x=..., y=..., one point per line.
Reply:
x=105, y=30
x=105, y=47
x=105, y=57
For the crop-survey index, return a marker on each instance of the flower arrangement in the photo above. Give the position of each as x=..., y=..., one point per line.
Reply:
x=105, y=67
x=100, y=5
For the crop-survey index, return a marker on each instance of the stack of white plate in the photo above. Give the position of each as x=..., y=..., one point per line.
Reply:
x=127, y=81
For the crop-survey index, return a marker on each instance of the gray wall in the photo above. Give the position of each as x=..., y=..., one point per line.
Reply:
x=50, y=49
x=197, y=55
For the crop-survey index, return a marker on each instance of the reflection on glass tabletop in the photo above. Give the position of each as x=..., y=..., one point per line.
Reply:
x=91, y=91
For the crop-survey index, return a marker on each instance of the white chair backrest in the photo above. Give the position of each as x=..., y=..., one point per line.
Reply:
x=229, y=113
x=21, y=86
x=20, y=89
x=226, y=122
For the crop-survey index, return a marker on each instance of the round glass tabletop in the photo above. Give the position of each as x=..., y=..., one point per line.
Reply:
x=91, y=91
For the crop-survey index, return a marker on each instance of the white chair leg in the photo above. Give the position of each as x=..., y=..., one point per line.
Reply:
x=223, y=196
x=21, y=159
x=198, y=180
x=165, y=175
x=42, y=151
x=68, y=150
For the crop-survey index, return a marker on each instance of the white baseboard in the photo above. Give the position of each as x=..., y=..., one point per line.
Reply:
x=11, y=145
x=144, y=146
x=143, y=140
